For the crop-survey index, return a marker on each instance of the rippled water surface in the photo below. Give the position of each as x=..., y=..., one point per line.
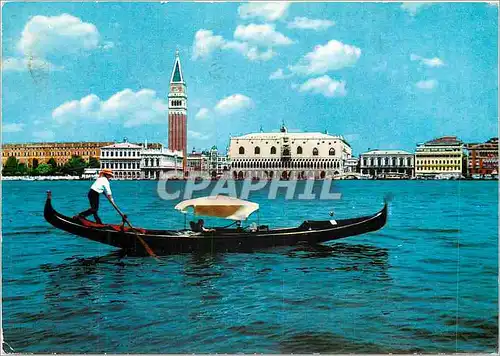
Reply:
x=427, y=282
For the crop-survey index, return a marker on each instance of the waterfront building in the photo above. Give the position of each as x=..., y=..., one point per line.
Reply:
x=351, y=165
x=483, y=158
x=288, y=155
x=33, y=154
x=177, y=111
x=218, y=163
x=384, y=163
x=208, y=163
x=443, y=156
x=123, y=158
x=134, y=161
x=161, y=163
x=197, y=163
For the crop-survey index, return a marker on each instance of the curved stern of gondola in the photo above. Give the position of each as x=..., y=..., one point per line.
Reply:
x=75, y=227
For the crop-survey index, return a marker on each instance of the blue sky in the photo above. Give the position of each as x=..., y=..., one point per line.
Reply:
x=384, y=75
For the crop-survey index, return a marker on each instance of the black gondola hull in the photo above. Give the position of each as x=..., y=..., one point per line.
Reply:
x=222, y=240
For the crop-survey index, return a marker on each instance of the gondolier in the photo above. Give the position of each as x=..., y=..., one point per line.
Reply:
x=101, y=185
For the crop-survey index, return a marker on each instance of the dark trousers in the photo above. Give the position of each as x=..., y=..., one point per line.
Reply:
x=94, y=206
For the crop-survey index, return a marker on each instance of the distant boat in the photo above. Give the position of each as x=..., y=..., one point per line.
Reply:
x=393, y=176
x=220, y=239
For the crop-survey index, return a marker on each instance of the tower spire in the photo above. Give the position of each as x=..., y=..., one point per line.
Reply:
x=177, y=76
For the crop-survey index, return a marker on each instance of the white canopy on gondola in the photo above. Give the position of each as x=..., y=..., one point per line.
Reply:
x=220, y=206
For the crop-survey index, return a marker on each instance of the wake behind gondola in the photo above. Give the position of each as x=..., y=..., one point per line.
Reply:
x=218, y=239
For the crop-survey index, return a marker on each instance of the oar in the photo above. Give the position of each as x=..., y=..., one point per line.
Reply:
x=141, y=240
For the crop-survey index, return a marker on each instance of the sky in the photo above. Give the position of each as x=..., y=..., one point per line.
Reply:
x=383, y=75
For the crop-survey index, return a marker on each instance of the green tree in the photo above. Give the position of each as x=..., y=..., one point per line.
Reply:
x=44, y=169
x=22, y=170
x=74, y=166
x=10, y=166
x=94, y=162
x=53, y=165
x=52, y=162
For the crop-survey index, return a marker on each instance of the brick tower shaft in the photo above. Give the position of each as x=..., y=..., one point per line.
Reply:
x=177, y=112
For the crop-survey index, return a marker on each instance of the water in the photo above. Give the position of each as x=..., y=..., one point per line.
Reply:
x=427, y=282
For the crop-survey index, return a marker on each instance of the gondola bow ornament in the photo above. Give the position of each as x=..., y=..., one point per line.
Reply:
x=220, y=206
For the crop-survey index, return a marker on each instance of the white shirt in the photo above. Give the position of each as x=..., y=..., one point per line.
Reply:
x=100, y=185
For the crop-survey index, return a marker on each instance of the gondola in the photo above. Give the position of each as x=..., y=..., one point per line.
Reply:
x=220, y=239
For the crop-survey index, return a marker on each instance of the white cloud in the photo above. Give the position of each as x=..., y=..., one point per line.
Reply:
x=133, y=108
x=429, y=62
x=331, y=56
x=279, y=74
x=205, y=43
x=12, y=64
x=45, y=135
x=325, y=86
x=13, y=127
x=52, y=36
x=310, y=24
x=269, y=11
x=264, y=35
x=198, y=135
x=414, y=7
x=63, y=34
x=427, y=84
x=251, y=52
x=202, y=114
x=254, y=54
x=232, y=104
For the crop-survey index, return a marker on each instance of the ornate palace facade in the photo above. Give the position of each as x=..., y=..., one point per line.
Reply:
x=288, y=155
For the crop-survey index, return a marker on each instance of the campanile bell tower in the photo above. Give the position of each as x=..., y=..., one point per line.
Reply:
x=177, y=111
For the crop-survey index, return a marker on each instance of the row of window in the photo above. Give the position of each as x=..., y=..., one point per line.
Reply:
x=130, y=175
x=286, y=152
x=487, y=154
x=287, y=164
x=176, y=102
x=386, y=161
x=420, y=156
x=131, y=165
x=448, y=168
x=152, y=174
x=115, y=165
x=284, y=174
x=49, y=154
x=454, y=161
x=151, y=162
x=279, y=159
x=120, y=153
x=285, y=139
